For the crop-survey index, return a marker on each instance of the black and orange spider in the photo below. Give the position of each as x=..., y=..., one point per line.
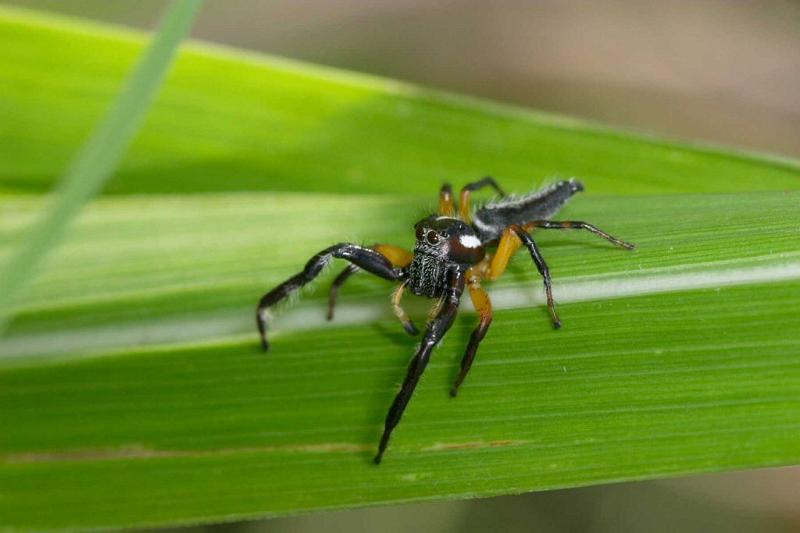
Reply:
x=450, y=253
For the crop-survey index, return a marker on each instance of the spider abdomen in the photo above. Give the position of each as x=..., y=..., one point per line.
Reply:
x=426, y=275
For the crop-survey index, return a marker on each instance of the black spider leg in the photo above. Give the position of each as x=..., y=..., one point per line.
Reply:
x=340, y=280
x=364, y=258
x=345, y=274
x=436, y=329
x=538, y=260
x=576, y=224
x=488, y=181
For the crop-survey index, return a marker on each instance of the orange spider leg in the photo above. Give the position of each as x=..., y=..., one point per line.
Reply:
x=399, y=257
x=464, y=205
x=446, y=206
x=464, y=208
x=506, y=248
x=400, y=313
x=483, y=305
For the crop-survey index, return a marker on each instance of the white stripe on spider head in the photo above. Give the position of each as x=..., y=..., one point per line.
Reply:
x=469, y=241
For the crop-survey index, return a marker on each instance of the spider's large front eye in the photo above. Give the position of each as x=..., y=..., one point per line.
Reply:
x=420, y=233
x=433, y=237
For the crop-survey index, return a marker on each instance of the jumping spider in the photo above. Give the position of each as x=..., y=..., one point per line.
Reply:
x=450, y=253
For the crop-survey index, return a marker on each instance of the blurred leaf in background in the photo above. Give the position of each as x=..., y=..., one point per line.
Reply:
x=98, y=157
x=714, y=70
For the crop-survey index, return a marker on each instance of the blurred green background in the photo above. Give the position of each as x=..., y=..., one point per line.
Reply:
x=712, y=71
x=723, y=72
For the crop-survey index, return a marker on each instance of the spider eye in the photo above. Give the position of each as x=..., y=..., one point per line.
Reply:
x=433, y=237
x=420, y=233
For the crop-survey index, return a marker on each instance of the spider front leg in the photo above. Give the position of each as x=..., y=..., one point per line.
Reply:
x=437, y=328
x=364, y=258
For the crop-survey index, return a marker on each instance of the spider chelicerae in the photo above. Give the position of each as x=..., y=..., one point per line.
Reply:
x=450, y=254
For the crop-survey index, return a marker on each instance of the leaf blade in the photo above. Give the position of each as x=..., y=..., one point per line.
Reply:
x=140, y=432
x=287, y=126
x=243, y=434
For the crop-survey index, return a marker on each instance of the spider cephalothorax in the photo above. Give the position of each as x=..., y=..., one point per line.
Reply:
x=450, y=254
x=442, y=243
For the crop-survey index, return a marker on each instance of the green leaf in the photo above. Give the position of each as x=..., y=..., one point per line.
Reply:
x=132, y=387
x=100, y=155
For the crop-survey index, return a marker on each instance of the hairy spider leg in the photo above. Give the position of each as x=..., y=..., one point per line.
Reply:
x=433, y=335
x=365, y=258
x=483, y=305
x=400, y=313
x=575, y=224
x=446, y=206
x=399, y=257
x=541, y=266
x=464, y=206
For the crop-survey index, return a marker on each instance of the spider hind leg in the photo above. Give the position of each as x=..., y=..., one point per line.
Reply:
x=465, y=205
x=541, y=266
x=576, y=224
x=511, y=240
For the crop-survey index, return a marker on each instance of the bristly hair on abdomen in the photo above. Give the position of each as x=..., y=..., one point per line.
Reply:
x=491, y=219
